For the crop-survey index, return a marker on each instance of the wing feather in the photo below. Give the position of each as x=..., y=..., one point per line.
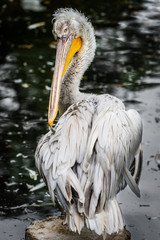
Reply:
x=86, y=159
x=115, y=137
x=131, y=182
x=61, y=148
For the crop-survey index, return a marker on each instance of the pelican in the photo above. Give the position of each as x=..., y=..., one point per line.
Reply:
x=94, y=150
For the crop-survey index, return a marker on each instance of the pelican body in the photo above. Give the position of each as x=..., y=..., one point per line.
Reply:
x=87, y=157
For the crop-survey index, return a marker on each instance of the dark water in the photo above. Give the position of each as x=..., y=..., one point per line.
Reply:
x=126, y=65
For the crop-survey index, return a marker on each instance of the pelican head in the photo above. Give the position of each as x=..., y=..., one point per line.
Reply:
x=71, y=29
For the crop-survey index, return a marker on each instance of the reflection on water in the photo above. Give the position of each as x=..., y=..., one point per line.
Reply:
x=33, y=5
x=126, y=62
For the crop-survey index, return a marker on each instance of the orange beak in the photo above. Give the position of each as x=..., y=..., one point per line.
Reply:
x=66, y=48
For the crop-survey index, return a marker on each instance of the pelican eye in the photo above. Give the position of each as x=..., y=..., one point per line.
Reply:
x=65, y=31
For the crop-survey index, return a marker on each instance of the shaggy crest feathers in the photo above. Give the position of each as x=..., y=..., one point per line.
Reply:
x=76, y=21
x=68, y=13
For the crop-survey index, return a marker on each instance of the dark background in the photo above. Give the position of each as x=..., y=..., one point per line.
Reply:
x=126, y=65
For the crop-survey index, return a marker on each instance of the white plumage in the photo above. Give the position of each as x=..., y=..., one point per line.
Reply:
x=87, y=157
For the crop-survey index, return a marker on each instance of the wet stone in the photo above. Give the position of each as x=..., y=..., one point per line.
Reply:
x=52, y=228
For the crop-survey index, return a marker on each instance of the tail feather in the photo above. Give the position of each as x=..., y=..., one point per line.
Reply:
x=108, y=221
x=75, y=221
x=115, y=221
